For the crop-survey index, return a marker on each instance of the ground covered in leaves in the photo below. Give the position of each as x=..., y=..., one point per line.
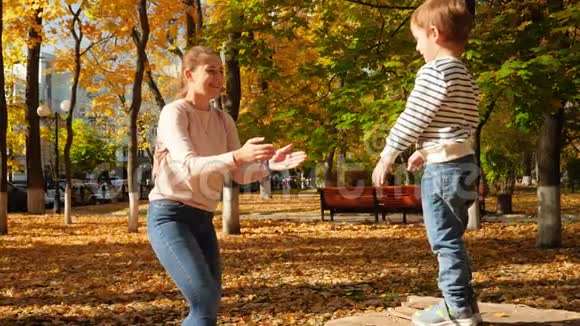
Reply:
x=278, y=272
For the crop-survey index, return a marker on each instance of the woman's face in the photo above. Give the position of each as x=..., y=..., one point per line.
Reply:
x=207, y=78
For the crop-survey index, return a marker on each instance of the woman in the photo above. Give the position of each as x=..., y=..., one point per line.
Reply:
x=196, y=147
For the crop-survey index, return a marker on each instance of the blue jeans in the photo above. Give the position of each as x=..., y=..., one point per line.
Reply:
x=447, y=191
x=185, y=242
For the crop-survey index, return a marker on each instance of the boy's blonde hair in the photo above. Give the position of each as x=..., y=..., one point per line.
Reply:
x=452, y=18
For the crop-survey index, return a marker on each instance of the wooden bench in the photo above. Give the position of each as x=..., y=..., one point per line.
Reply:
x=348, y=200
x=386, y=199
x=399, y=199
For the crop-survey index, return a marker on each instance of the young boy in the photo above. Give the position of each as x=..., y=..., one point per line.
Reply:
x=440, y=116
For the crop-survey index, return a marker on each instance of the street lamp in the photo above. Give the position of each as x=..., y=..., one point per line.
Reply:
x=45, y=112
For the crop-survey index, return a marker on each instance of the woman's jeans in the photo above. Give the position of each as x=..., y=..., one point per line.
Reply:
x=447, y=191
x=185, y=242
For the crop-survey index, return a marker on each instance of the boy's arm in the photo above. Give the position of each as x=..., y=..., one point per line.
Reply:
x=422, y=105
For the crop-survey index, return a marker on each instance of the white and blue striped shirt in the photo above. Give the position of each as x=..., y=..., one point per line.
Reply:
x=440, y=116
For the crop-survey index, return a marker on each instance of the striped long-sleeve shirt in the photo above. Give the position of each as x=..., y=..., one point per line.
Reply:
x=440, y=116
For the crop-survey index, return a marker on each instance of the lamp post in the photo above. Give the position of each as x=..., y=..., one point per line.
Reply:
x=45, y=112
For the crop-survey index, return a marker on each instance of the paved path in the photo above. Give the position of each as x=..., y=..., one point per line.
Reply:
x=390, y=218
x=491, y=313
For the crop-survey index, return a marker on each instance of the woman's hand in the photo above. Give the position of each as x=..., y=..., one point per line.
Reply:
x=254, y=151
x=285, y=159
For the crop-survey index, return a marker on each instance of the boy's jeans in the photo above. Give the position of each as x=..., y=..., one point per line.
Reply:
x=185, y=242
x=447, y=191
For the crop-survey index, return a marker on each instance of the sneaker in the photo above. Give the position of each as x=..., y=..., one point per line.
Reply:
x=439, y=315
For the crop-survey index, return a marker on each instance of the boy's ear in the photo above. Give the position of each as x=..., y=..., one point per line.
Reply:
x=434, y=32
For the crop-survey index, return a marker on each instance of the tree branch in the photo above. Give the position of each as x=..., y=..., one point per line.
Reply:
x=175, y=50
x=320, y=98
x=374, y=5
x=153, y=85
x=391, y=35
x=89, y=47
x=98, y=63
x=487, y=114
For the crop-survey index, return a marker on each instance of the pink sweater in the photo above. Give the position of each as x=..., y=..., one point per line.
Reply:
x=193, y=153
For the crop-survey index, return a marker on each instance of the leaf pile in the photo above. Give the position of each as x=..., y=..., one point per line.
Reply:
x=279, y=272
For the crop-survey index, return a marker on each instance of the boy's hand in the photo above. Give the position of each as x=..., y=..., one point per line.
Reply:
x=415, y=162
x=379, y=172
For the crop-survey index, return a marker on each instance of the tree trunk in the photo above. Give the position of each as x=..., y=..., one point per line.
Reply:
x=153, y=86
x=340, y=168
x=35, y=201
x=73, y=99
x=199, y=12
x=3, y=145
x=504, y=203
x=329, y=179
x=266, y=188
x=473, y=212
x=527, y=162
x=548, y=164
x=190, y=23
x=549, y=145
x=140, y=40
x=233, y=79
x=266, y=182
x=231, y=207
x=131, y=174
x=231, y=191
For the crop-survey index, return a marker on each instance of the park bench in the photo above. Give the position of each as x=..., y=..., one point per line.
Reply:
x=348, y=200
x=386, y=199
x=399, y=199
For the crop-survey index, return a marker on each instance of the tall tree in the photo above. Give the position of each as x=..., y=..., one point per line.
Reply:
x=14, y=40
x=550, y=142
x=549, y=146
x=140, y=37
x=529, y=52
x=231, y=191
x=3, y=143
x=193, y=21
x=33, y=159
x=76, y=31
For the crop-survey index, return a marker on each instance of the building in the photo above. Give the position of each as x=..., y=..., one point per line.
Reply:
x=54, y=88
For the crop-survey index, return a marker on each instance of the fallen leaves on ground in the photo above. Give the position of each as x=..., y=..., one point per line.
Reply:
x=525, y=201
x=278, y=272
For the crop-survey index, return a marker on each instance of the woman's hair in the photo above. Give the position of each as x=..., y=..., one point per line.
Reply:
x=453, y=18
x=191, y=59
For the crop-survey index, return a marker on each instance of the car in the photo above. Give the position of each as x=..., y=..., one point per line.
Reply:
x=82, y=194
x=17, y=198
x=115, y=190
